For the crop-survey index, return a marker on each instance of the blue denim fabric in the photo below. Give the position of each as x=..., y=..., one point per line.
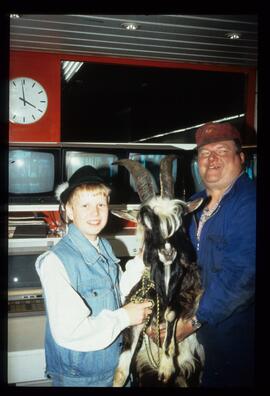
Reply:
x=95, y=277
x=63, y=381
x=106, y=381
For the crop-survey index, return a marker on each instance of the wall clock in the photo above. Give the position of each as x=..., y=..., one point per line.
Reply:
x=28, y=100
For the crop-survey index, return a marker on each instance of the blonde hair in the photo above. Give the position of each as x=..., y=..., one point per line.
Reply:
x=93, y=188
x=96, y=189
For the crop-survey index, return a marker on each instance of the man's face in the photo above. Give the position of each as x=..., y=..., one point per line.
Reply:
x=89, y=212
x=219, y=164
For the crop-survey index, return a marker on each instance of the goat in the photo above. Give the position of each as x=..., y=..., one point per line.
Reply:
x=170, y=280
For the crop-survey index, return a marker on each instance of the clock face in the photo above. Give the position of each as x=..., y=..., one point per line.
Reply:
x=28, y=100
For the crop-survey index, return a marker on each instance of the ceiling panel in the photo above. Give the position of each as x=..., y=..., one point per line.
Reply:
x=184, y=38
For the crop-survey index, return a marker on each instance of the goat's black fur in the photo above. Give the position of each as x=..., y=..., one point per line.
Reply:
x=181, y=297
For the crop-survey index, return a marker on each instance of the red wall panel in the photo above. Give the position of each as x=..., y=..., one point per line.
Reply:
x=44, y=68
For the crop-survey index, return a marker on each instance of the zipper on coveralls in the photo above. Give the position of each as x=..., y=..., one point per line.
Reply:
x=196, y=227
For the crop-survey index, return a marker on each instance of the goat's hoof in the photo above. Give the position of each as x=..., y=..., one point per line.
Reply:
x=119, y=379
x=163, y=378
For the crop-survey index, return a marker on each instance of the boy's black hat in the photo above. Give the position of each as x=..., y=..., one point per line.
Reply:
x=84, y=175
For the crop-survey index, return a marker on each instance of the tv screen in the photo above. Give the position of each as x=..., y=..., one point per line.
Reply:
x=198, y=184
x=21, y=271
x=251, y=164
x=119, y=178
x=101, y=161
x=152, y=163
x=33, y=175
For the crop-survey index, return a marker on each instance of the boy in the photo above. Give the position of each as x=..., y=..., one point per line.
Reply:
x=80, y=280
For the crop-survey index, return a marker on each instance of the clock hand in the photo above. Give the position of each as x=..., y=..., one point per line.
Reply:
x=26, y=101
x=23, y=95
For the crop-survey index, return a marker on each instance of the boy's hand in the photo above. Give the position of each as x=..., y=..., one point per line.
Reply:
x=138, y=313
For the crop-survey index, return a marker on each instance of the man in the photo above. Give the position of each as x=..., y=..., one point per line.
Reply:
x=224, y=236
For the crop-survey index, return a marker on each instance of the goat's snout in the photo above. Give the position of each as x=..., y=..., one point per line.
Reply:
x=167, y=254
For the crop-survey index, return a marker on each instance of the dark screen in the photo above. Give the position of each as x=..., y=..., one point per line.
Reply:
x=124, y=103
x=22, y=272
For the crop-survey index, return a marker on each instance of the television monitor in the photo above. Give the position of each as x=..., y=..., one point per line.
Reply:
x=119, y=178
x=251, y=164
x=101, y=161
x=33, y=174
x=22, y=273
x=151, y=161
x=75, y=158
x=198, y=183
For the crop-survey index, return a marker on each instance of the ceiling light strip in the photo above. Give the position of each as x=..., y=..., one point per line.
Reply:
x=192, y=127
x=70, y=68
x=141, y=30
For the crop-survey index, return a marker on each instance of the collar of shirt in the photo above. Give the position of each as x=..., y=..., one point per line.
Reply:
x=95, y=244
x=207, y=213
x=86, y=248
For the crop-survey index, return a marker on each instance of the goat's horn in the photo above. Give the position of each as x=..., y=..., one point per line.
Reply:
x=165, y=176
x=142, y=177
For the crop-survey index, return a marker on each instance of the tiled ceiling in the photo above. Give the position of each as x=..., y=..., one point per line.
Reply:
x=183, y=38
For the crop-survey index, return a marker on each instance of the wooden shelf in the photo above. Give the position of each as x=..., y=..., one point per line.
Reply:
x=30, y=245
x=33, y=208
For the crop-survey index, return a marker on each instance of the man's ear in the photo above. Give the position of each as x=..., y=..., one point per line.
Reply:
x=242, y=157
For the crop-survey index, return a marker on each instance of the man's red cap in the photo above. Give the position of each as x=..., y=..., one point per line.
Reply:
x=213, y=132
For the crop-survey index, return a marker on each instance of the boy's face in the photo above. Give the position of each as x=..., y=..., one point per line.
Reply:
x=89, y=212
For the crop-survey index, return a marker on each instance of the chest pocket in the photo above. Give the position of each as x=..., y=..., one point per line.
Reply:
x=217, y=245
x=99, y=295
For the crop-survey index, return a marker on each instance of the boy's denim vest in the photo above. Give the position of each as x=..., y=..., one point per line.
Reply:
x=95, y=277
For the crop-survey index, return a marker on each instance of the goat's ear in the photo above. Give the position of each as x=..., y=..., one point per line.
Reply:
x=147, y=217
x=130, y=215
x=146, y=220
x=191, y=206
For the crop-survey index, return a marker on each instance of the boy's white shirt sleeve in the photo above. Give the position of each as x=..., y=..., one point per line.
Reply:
x=131, y=276
x=70, y=319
